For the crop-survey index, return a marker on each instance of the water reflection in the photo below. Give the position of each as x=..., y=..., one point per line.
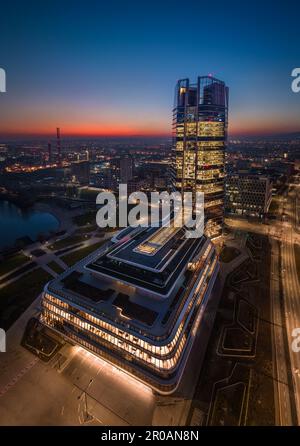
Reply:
x=16, y=223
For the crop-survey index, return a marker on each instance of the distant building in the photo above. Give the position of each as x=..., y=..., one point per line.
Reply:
x=80, y=171
x=126, y=169
x=58, y=146
x=114, y=172
x=135, y=184
x=157, y=174
x=200, y=134
x=139, y=303
x=159, y=183
x=248, y=195
x=49, y=152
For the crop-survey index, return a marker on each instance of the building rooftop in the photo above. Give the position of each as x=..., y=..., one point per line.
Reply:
x=152, y=259
x=139, y=282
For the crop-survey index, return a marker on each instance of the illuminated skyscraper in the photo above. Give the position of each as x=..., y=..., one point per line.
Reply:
x=200, y=134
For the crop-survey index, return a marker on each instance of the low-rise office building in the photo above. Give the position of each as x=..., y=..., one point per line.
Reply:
x=247, y=195
x=137, y=303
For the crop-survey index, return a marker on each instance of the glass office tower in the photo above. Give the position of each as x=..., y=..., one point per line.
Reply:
x=200, y=134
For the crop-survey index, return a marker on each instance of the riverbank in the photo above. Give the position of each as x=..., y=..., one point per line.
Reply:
x=19, y=225
x=63, y=215
x=17, y=200
x=53, y=210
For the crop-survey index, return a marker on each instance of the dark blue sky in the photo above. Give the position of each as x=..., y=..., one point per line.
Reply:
x=96, y=67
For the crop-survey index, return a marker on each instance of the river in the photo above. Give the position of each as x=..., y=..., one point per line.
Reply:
x=16, y=223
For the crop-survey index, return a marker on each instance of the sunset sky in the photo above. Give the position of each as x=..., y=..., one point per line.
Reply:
x=110, y=68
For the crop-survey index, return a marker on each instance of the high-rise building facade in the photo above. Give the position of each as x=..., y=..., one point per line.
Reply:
x=200, y=134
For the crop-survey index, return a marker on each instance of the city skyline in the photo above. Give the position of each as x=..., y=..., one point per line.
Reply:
x=149, y=216
x=111, y=71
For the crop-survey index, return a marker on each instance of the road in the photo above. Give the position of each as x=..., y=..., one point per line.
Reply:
x=286, y=234
x=281, y=387
x=291, y=289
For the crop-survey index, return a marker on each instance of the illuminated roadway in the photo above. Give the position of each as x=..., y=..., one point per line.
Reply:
x=291, y=287
x=287, y=233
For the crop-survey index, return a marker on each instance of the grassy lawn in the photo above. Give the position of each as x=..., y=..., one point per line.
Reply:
x=12, y=262
x=274, y=206
x=72, y=240
x=16, y=297
x=74, y=257
x=23, y=269
x=86, y=229
x=297, y=258
x=55, y=267
x=85, y=219
x=228, y=254
x=228, y=405
x=88, y=194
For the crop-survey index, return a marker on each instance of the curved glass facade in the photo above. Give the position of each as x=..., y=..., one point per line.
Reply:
x=155, y=351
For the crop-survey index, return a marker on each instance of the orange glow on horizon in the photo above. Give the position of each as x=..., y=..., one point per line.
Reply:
x=250, y=124
x=88, y=131
x=244, y=128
